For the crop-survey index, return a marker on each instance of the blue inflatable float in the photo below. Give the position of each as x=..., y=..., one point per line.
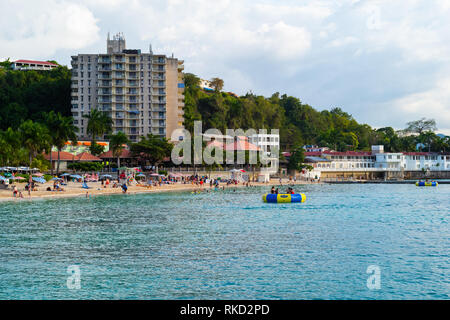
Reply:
x=284, y=198
x=426, y=184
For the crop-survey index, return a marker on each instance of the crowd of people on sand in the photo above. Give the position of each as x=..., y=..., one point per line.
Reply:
x=136, y=178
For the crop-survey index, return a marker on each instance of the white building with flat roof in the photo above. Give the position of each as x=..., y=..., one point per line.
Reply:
x=33, y=65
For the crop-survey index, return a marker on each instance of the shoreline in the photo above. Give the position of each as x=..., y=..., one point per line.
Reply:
x=75, y=191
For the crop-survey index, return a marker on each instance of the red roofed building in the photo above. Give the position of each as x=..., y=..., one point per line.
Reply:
x=125, y=154
x=241, y=145
x=66, y=158
x=126, y=158
x=85, y=156
x=33, y=65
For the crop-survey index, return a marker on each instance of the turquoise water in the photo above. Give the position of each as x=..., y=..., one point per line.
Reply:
x=230, y=245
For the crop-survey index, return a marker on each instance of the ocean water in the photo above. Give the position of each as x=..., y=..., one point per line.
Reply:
x=230, y=245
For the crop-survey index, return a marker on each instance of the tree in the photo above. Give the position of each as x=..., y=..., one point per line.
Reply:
x=34, y=137
x=217, y=84
x=116, y=144
x=11, y=149
x=152, y=149
x=421, y=126
x=7, y=64
x=96, y=149
x=297, y=159
x=191, y=80
x=62, y=130
x=99, y=123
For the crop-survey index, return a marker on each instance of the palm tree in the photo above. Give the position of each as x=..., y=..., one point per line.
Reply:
x=116, y=142
x=51, y=121
x=62, y=129
x=34, y=137
x=99, y=123
x=65, y=131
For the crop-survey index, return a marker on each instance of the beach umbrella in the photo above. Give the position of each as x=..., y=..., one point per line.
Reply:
x=76, y=176
x=140, y=175
x=154, y=175
x=106, y=176
x=242, y=170
x=39, y=180
x=38, y=174
x=56, y=178
x=2, y=178
x=65, y=174
x=18, y=178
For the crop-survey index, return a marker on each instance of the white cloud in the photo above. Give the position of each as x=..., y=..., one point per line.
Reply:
x=39, y=29
x=383, y=61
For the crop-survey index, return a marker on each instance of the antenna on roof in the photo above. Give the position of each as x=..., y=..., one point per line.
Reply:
x=151, y=50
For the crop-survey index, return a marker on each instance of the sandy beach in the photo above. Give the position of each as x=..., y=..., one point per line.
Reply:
x=73, y=189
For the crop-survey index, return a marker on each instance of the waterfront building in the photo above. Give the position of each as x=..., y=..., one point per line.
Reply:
x=32, y=65
x=66, y=158
x=267, y=142
x=376, y=164
x=142, y=92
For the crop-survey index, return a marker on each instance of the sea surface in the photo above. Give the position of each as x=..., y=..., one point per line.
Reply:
x=230, y=245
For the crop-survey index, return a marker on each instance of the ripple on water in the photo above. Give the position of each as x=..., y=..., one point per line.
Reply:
x=230, y=245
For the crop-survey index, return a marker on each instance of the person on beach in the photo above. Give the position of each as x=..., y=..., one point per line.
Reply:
x=124, y=188
x=15, y=191
x=272, y=191
x=20, y=194
x=276, y=191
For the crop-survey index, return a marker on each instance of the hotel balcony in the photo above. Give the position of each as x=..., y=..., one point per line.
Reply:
x=100, y=100
x=104, y=68
x=104, y=84
x=104, y=59
x=104, y=92
x=104, y=77
x=119, y=75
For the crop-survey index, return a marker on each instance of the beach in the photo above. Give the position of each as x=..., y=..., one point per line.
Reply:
x=74, y=189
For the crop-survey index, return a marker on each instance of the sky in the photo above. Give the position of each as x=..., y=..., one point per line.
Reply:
x=385, y=62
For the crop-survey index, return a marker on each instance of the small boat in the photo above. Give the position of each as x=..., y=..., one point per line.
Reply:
x=426, y=184
x=283, y=198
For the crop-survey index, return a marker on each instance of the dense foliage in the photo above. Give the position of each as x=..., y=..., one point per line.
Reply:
x=26, y=95
x=152, y=149
x=85, y=166
x=299, y=123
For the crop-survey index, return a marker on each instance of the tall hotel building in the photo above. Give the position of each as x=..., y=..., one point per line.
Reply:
x=142, y=92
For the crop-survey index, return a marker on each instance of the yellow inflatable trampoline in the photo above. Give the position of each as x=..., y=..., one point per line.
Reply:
x=284, y=198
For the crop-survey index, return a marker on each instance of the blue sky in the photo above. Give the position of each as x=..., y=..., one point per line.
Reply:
x=385, y=62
